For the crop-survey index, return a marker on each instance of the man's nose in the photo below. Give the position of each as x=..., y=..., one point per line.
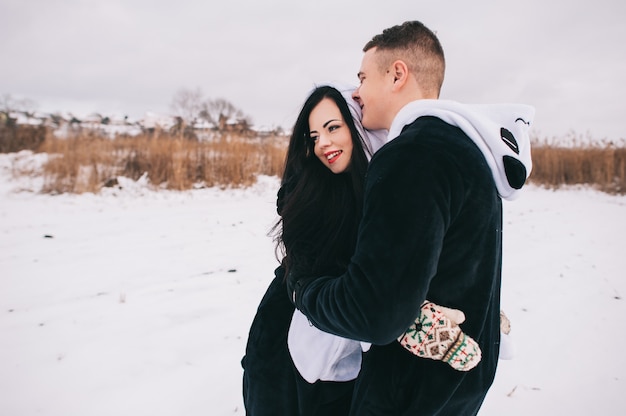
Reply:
x=355, y=96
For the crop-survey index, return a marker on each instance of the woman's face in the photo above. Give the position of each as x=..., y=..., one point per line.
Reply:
x=331, y=134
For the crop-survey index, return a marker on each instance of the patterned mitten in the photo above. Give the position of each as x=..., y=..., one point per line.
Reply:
x=505, y=323
x=507, y=345
x=436, y=336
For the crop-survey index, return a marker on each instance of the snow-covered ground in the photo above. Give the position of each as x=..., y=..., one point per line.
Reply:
x=138, y=302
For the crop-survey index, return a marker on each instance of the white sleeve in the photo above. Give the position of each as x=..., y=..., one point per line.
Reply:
x=319, y=355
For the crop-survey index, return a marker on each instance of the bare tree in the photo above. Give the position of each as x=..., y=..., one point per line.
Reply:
x=190, y=106
x=220, y=112
x=187, y=104
x=9, y=104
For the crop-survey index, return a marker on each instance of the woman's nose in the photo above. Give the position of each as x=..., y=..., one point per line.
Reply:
x=324, y=140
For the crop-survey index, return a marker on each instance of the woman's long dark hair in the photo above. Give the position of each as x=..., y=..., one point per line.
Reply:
x=320, y=210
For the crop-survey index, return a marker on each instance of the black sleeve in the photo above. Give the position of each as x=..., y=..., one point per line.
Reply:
x=407, y=210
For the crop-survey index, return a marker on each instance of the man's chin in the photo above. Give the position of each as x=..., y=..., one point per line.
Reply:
x=369, y=124
x=365, y=121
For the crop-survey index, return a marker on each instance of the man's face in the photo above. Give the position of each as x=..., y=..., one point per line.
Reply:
x=373, y=92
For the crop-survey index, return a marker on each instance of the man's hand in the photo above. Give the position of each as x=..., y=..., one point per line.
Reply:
x=436, y=334
x=295, y=285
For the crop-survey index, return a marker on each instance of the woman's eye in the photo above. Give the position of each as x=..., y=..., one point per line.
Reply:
x=314, y=138
x=333, y=128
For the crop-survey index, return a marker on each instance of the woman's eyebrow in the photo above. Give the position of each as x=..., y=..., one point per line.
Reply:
x=329, y=121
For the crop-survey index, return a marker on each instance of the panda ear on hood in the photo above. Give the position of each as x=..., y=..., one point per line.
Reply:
x=512, y=152
x=501, y=132
x=515, y=172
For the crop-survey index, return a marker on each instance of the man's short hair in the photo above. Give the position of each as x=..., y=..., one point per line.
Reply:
x=418, y=47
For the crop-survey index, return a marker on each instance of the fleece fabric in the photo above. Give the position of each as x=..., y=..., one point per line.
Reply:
x=271, y=385
x=500, y=131
x=431, y=229
x=318, y=355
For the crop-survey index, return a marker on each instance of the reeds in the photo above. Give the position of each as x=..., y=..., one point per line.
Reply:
x=88, y=162
x=14, y=137
x=600, y=165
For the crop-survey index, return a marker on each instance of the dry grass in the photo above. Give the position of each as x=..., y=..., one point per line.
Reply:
x=14, y=137
x=601, y=167
x=86, y=162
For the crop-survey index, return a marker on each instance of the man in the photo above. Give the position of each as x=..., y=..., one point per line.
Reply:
x=431, y=229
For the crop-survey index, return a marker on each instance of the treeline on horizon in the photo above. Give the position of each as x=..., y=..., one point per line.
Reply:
x=86, y=161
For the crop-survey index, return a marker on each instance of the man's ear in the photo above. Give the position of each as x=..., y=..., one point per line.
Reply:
x=400, y=74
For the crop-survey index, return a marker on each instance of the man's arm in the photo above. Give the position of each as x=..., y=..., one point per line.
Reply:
x=406, y=213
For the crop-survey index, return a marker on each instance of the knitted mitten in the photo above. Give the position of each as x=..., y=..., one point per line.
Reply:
x=505, y=323
x=507, y=345
x=436, y=336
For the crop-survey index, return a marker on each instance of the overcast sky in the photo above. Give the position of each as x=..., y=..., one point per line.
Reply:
x=567, y=58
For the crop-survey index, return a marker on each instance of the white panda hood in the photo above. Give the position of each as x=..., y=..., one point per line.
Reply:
x=501, y=132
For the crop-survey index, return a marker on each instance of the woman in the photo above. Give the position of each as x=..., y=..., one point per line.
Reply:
x=320, y=212
x=320, y=207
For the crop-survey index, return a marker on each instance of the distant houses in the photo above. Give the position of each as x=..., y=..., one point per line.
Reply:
x=66, y=124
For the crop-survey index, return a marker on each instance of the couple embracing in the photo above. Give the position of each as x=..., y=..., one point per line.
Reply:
x=387, y=299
